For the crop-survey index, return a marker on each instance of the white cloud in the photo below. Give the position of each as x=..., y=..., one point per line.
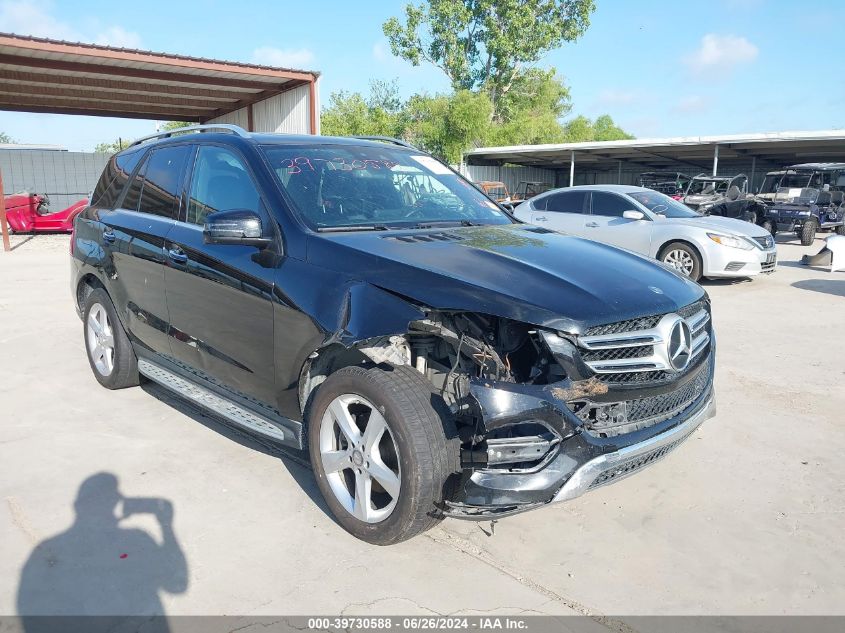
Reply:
x=29, y=17
x=284, y=58
x=119, y=37
x=33, y=17
x=721, y=53
x=380, y=51
x=692, y=104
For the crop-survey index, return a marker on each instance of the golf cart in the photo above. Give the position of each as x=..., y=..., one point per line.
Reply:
x=527, y=190
x=672, y=183
x=723, y=196
x=30, y=213
x=496, y=190
x=809, y=198
x=766, y=192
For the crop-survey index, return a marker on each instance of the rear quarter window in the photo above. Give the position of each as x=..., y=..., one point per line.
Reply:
x=114, y=178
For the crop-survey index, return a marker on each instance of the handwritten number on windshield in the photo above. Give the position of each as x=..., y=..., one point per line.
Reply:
x=300, y=164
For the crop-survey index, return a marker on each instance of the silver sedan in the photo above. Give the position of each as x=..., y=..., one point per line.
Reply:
x=653, y=224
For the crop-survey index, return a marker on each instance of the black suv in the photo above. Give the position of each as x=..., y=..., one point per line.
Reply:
x=360, y=300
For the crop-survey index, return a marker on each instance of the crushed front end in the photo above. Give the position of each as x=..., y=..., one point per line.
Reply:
x=545, y=416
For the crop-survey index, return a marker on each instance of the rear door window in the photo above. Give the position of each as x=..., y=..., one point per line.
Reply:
x=567, y=202
x=163, y=175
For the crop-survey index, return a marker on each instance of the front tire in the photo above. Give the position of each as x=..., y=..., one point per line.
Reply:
x=770, y=226
x=683, y=258
x=840, y=230
x=110, y=353
x=382, y=449
x=808, y=232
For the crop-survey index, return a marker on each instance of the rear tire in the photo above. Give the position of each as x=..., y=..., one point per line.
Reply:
x=683, y=258
x=808, y=232
x=840, y=230
x=109, y=351
x=403, y=473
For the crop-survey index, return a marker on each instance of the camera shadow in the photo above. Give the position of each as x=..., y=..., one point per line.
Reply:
x=109, y=574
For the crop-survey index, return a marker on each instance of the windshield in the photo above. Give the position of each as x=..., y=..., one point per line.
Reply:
x=797, y=195
x=378, y=187
x=770, y=184
x=707, y=186
x=661, y=204
x=795, y=180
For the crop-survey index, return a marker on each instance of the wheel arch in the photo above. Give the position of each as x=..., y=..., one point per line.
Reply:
x=683, y=240
x=85, y=286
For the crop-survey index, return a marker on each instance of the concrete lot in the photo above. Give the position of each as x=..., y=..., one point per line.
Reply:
x=746, y=518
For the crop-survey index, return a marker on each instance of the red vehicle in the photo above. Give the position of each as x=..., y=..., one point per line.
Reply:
x=29, y=213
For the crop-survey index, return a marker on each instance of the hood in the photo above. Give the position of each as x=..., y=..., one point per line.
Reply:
x=717, y=223
x=517, y=271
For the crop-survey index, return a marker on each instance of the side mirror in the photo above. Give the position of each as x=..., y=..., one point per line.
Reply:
x=235, y=226
x=633, y=215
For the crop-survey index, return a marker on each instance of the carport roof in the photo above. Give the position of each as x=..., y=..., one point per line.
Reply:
x=691, y=152
x=42, y=75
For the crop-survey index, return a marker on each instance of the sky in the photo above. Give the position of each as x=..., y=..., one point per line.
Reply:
x=659, y=68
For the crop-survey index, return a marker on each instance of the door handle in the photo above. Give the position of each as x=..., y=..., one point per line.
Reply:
x=540, y=218
x=109, y=236
x=593, y=225
x=177, y=255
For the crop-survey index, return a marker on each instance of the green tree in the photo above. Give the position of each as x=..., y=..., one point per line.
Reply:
x=350, y=114
x=531, y=111
x=5, y=138
x=169, y=126
x=581, y=129
x=110, y=148
x=448, y=125
x=486, y=44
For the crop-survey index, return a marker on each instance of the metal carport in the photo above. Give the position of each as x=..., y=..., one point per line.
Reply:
x=43, y=75
x=620, y=161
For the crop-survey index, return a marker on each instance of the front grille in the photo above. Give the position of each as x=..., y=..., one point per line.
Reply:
x=662, y=407
x=642, y=323
x=616, y=353
x=633, y=351
x=617, y=418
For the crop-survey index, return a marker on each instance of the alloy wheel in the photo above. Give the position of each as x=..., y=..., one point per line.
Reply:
x=360, y=458
x=680, y=260
x=100, y=339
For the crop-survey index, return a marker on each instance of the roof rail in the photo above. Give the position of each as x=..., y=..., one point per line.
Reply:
x=387, y=139
x=234, y=129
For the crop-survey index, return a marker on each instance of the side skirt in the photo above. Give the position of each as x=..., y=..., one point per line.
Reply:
x=281, y=430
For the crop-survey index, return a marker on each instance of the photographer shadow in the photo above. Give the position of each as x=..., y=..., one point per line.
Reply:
x=110, y=574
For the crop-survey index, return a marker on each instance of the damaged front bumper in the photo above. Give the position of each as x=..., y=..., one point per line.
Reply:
x=577, y=460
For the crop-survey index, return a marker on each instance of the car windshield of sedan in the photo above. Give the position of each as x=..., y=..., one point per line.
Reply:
x=663, y=205
x=345, y=187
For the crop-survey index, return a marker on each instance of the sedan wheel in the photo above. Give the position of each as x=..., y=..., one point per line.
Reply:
x=360, y=458
x=680, y=261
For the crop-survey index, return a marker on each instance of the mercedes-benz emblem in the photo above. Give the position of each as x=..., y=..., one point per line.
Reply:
x=679, y=345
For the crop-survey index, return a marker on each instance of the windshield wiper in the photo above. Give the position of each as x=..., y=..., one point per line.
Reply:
x=352, y=227
x=432, y=224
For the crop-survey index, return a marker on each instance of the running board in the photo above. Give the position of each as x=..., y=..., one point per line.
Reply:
x=285, y=431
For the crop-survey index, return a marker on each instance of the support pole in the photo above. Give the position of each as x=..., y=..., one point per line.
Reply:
x=4, y=225
x=619, y=174
x=572, y=168
x=753, y=169
x=715, y=159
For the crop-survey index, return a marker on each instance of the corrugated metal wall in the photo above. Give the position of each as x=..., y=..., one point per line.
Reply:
x=287, y=113
x=64, y=176
x=238, y=117
x=510, y=175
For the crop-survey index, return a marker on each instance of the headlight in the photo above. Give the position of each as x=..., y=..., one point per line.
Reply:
x=730, y=240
